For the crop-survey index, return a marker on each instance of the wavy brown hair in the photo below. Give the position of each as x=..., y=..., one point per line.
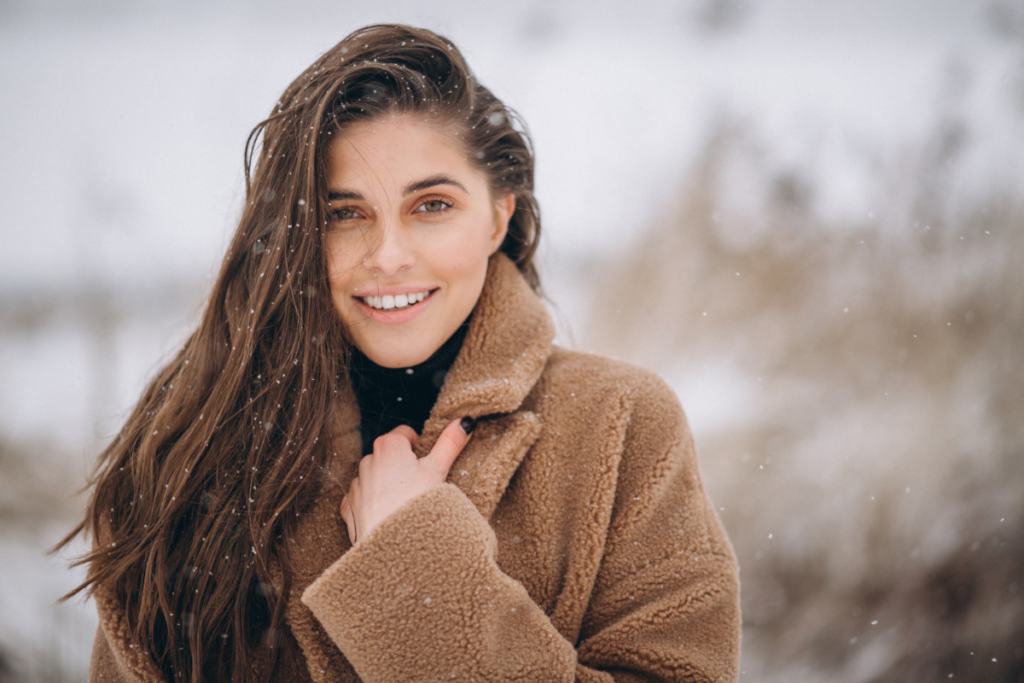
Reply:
x=199, y=494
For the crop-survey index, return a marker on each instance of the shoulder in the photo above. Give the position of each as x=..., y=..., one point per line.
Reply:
x=586, y=381
x=611, y=406
x=115, y=656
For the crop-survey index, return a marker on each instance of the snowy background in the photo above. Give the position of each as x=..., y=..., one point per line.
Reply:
x=808, y=216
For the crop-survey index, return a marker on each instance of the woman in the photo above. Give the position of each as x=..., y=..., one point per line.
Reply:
x=369, y=462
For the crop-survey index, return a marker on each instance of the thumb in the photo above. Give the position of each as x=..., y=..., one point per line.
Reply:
x=451, y=442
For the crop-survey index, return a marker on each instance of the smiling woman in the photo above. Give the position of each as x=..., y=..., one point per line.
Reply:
x=370, y=462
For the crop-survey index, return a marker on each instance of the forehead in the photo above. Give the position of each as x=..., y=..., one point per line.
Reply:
x=395, y=149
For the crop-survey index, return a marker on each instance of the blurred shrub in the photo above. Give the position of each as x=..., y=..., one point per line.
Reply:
x=37, y=487
x=872, y=481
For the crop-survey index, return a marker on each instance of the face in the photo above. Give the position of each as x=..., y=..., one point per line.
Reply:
x=412, y=224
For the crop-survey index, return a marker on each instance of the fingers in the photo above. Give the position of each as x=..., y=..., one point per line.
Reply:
x=450, y=443
x=402, y=437
x=350, y=520
x=408, y=432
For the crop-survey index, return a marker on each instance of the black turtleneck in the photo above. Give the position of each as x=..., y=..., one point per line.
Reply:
x=389, y=397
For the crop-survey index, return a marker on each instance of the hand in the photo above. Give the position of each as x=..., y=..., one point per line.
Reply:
x=392, y=475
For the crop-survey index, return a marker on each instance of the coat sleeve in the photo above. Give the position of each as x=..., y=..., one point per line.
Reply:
x=423, y=598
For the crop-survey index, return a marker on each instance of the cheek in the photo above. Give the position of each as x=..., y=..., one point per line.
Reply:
x=464, y=251
x=341, y=263
x=462, y=263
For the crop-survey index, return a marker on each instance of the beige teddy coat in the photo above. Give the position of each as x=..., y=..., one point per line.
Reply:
x=573, y=541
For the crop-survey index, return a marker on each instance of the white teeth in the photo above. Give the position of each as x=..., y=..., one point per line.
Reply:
x=388, y=302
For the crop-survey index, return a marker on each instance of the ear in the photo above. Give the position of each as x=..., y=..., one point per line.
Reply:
x=504, y=207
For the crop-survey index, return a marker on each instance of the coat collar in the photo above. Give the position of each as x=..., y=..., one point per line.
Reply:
x=506, y=348
x=504, y=353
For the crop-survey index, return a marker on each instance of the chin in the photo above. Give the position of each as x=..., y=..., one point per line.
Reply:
x=402, y=357
x=400, y=361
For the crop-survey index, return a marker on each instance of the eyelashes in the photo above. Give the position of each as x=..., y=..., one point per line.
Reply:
x=341, y=214
x=430, y=206
x=445, y=205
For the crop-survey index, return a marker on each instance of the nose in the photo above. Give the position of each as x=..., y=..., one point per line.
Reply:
x=392, y=253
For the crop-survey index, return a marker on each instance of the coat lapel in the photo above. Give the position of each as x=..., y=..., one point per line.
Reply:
x=484, y=469
x=506, y=348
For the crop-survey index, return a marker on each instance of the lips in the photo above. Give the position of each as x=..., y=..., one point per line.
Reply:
x=388, y=302
x=375, y=307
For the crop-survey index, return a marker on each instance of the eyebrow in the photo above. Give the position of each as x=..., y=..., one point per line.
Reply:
x=432, y=181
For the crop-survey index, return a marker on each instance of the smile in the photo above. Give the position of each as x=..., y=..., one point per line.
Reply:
x=398, y=302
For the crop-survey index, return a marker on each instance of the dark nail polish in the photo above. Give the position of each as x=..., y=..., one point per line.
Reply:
x=468, y=424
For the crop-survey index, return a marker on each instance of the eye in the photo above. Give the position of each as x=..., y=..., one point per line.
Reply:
x=434, y=205
x=345, y=213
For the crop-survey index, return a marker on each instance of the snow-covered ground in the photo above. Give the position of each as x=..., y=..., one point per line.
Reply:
x=122, y=129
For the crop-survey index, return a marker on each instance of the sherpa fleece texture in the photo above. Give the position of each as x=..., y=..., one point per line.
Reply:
x=573, y=541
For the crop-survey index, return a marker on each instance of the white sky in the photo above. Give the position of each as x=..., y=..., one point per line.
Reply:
x=123, y=127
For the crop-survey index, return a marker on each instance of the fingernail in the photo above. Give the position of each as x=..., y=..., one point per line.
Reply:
x=468, y=424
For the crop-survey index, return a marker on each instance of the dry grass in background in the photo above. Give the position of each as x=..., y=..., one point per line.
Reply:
x=873, y=487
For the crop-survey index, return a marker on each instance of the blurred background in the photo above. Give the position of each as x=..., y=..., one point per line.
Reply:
x=807, y=216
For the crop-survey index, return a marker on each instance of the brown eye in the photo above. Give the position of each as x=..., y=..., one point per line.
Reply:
x=344, y=214
x=433, y=206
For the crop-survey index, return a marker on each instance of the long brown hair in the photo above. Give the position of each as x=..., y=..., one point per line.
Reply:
x=204, y=484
